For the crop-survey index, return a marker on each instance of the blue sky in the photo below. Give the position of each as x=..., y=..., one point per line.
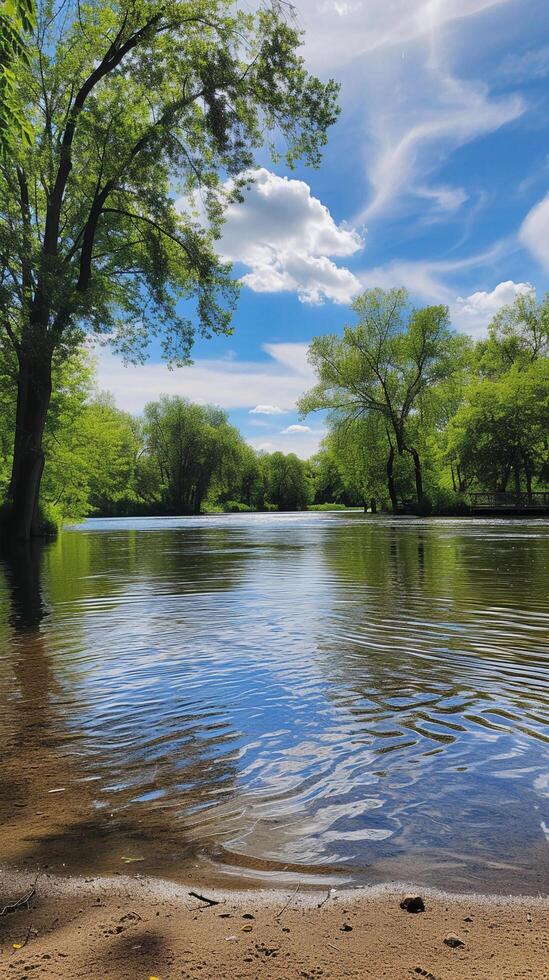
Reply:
x=436, y=177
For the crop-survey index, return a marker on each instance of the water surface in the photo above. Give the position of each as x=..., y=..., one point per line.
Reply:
x=326, y=697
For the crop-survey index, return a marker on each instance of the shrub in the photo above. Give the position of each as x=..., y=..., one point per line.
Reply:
x=235, y=507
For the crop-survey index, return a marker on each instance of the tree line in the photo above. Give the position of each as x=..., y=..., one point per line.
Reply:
x=418, y=417
x=176, y=458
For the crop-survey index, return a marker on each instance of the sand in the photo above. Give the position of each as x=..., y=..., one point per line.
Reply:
x=131, y=927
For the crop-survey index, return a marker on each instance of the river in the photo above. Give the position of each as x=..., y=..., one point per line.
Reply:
x=308, y=697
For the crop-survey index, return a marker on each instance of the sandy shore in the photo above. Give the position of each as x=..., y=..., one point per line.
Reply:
x=131, y=928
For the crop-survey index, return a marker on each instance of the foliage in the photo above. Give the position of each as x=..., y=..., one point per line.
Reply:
x=17, y=18
x=288, y=481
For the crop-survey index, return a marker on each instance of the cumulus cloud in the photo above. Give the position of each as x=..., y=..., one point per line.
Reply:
x=296, y=430
x=275, y=382
x=266, y=410
x=534, y=232
x=488, y=303
x=288, y=239
x=473, y=313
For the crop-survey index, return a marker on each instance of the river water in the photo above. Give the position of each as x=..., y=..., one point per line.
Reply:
x=304, y=697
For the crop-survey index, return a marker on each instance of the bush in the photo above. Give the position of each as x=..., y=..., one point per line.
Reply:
x=448, y=503
x=327, y=507
x=235, y=507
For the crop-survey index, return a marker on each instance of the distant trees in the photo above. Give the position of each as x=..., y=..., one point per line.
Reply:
x=178, y=458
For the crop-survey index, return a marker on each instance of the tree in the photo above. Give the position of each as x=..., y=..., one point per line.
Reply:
x=139, y=109
x=193, y=448
x=385, y=366
x=98, y=455
x=289, y=486
x=501, y=430
x=361, y=448
x=518, y=335
x=498, y=431
x=329, y=484
x=65, y=475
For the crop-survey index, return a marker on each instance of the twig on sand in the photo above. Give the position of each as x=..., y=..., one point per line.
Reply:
x=324, y=900
x=14, y=906
x=331, y=945
x=290, y=900
x=203, y=898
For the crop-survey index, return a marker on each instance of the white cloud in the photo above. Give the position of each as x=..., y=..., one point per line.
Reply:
x=534, y=232
x=295, y=430
x=277, y=381
x=288, y=240
x=473, y=313
x=266, y=410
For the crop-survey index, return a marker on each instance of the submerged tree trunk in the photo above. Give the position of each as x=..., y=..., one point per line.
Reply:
x=33, y=400
x=390, y=480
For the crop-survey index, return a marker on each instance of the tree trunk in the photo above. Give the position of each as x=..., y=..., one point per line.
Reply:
x=391, y=482
x=373, y=505
x=417, y=474
x=33, y=400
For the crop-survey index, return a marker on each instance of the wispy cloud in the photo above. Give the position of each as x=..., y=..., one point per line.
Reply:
x=275, y=382
x=406, y=86
x=534, y=232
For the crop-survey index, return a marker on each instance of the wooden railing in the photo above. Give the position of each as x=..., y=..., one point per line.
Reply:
x=508, y=500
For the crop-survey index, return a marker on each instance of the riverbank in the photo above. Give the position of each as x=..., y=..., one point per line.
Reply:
x=133, y=927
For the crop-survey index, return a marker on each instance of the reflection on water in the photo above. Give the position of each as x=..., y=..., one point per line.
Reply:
x=316, y=694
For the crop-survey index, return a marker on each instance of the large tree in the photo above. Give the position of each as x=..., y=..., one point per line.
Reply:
x=386, y=367
x=141, y=112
